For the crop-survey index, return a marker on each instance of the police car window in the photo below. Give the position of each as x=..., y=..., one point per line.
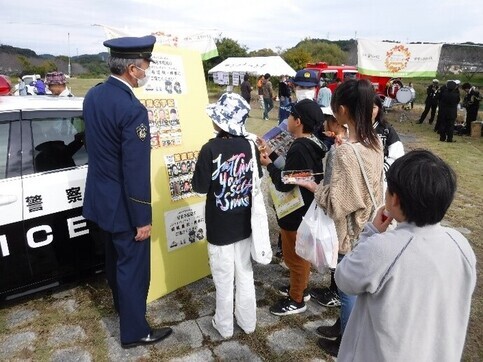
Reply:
x=4, y=132
x=58, y=143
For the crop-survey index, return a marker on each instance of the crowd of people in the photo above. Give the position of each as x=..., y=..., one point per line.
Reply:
x=403, y=282
x=54, y=83
x=441, y=102
x=446, y=100
x=387, y=233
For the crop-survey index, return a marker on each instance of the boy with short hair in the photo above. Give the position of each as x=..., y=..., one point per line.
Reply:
x=306, y=152
x=414, y=283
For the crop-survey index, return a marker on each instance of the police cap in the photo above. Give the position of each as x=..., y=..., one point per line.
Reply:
x=131, y=47
x=306, y=78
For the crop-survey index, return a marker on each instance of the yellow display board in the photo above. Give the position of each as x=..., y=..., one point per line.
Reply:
x=176, y=97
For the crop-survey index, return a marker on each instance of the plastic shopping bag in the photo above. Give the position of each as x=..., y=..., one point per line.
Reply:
x=317, y=239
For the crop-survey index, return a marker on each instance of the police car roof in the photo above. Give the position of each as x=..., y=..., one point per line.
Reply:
x=24, y=103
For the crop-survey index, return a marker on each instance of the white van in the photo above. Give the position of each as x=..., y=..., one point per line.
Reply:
x=44, y=240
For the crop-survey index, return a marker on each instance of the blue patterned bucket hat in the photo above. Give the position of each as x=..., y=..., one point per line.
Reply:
x=230, y=113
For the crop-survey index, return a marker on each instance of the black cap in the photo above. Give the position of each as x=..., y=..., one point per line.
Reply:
x=132, y=47
x=309, y=113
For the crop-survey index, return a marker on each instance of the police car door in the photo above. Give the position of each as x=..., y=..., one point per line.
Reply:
x=54, y=244
x=14, y=264
x=56, y=233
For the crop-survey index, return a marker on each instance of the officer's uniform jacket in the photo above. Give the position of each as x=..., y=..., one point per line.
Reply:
x=118, y=193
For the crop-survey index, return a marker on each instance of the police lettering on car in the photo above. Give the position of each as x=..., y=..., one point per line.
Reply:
x=44, y=239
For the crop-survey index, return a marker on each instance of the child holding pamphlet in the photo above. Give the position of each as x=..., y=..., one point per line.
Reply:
x=305, y=153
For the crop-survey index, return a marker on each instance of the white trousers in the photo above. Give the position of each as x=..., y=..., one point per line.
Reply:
x=231, y=266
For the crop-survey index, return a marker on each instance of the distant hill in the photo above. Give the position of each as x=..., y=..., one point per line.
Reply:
x=15, y=61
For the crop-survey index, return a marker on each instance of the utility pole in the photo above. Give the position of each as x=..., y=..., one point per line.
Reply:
x=68, y=45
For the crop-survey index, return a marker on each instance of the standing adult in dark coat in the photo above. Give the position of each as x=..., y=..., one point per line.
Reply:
x=118, y=191
x=471, y=102
x=284, y=95
x=246, y=88
x=448, y=110
x=431, y=102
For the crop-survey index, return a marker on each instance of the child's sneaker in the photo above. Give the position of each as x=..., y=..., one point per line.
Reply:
x=326, y=297
x=288, y=306
x=285, y=289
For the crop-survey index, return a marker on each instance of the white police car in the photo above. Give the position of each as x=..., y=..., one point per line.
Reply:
x=44, y=240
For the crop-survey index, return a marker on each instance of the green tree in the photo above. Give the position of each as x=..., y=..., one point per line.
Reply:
x=25, y=65
x=297, y=58
x=323, y=51
x=226, y=48
x=265, y=52
x=45, y=67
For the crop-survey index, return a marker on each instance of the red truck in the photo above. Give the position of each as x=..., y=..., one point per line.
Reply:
x=333, y=74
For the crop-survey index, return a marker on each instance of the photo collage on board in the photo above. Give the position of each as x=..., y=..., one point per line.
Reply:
x=164, y=122
x=180, y=167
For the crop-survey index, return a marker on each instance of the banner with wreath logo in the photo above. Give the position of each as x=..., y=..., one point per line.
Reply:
x=389, y=59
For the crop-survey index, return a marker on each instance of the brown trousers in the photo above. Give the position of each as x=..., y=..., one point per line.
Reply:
x=299, y=268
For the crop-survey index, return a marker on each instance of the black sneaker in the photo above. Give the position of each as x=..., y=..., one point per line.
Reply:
x=330, y=346
x=288, y=306
x=326, y=297
x=284, y=292
x=330, y=331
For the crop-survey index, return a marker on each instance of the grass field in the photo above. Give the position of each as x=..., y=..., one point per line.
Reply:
x=465, y=156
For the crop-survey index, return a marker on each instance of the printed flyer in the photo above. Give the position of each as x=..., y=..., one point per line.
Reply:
x=185, y=226
x=286, y=202
x=279, y=139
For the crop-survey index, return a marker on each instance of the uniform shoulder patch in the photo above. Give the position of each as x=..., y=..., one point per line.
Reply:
x=142, y=131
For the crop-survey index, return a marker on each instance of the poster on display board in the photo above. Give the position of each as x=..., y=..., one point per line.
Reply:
x=180, y=168
x=235, y=78
x=176, y=98
x=185, y=226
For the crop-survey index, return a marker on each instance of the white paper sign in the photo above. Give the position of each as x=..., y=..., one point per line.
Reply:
x=185, y=226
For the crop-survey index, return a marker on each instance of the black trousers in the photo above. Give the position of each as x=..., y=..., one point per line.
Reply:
x=471, y=115
x=128, y=275
x=446, y=130
x=428, y=106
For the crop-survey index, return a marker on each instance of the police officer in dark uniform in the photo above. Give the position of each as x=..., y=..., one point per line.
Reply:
x=118, y=192
x=431, y=102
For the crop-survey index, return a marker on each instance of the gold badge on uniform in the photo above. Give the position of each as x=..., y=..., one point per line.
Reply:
x=142, y=131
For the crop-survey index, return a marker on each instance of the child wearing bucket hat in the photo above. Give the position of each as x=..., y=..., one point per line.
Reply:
x=223, y=172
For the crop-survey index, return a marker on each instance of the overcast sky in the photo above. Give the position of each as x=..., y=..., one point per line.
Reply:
x=43, y=26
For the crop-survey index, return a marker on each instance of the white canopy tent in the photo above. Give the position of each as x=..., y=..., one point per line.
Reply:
x=274, y=65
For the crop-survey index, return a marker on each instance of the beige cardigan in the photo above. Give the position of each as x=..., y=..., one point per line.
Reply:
x=346, y=199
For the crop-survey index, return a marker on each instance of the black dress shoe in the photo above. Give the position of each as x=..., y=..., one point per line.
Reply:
x=154, y=336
